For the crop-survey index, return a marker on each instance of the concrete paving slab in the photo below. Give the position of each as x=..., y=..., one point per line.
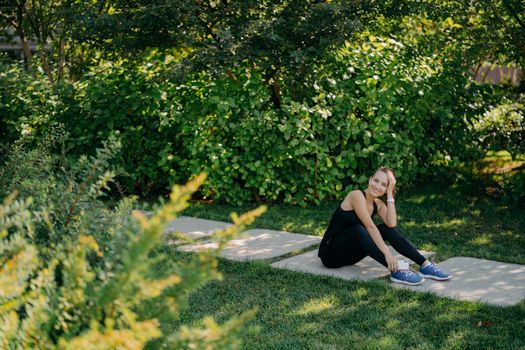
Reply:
x=259, y=244
x=366, y=269
x=194, y=227
x=488, y=281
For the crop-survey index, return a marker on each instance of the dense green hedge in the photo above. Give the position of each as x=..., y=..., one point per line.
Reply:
x=127, y=99
x=379, y=100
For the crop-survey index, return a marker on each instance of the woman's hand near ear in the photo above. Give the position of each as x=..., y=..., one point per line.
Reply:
x=391, y=183
x=390, y=218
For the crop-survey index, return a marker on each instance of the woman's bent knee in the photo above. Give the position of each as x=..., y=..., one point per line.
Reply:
x=388, y=231
x=386, y=227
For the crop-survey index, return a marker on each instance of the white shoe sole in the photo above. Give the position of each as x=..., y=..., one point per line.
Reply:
x=406, y=282
x=432, y=277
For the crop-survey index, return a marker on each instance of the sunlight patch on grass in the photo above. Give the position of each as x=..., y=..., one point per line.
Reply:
x=308, y=328
x=319, y=232
x=408, y=306
x=309, y=227
x=481, y=240
x=409, y=223
x=294, y=226
x=361, y=292
x=385, y=342
x=447, y=225
x=392, y=324
x=446, y=316
x=475, y=212
x=499, y=162
x=429, y=247
x=316, y=306
x=420, y=199
x=288, y=227
x=309, y=224
x=510, y=234
x=455, y=340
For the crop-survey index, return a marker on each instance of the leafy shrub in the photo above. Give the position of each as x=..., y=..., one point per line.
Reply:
x=59, y=188
x=514, y=187
x=503, y=127
x=27, y=105
x=77, y=274
x=230, y=130
x=377, y=101
x=129, y=98
x=402, y=100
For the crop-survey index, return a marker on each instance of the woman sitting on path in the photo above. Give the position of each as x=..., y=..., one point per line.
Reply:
x=352, y=235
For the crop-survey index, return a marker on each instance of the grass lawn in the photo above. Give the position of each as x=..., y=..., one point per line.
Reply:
x=297, y=311
x=301, y=311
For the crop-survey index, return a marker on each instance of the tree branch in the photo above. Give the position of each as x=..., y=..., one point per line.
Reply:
x=61, y=58
x=21, y=34
x=513, y=13
x=32, y=18
x=509, y=31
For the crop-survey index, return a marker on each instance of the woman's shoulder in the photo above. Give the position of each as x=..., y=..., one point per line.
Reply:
x=350, y=197
x=354, y=193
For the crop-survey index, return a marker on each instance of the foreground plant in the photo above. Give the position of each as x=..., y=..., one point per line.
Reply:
x=91, y=287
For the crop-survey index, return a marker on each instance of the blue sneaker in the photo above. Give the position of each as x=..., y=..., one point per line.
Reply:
x=434, y=272
x=406, y=277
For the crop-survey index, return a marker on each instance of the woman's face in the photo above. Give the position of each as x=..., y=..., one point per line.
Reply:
x=378, y=184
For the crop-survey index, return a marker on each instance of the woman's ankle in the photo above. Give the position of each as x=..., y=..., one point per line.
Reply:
x=425, y=263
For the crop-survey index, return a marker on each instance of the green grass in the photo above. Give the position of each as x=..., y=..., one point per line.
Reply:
x=301, y=311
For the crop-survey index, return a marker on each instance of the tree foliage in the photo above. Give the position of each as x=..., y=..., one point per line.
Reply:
x=279, y=37
x=267, y=96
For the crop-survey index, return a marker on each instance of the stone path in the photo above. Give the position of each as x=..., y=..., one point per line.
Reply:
x=259, y=244
x=488, y=281
x=473, y=279
x=195, y=228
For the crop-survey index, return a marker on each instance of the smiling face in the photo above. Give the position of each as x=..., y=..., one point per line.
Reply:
x=378, y=184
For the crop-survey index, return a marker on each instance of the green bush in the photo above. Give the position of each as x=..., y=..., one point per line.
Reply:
x=230, y=130
x=27, y=105
x=502, y=127
x=127, y=98
x=402, y=100
x=514, y=187
x=376, y=101
x=77, y=274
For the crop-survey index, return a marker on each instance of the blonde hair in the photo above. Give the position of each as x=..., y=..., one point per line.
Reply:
x=386, y=170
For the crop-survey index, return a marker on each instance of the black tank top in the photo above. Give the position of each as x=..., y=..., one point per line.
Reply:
x=340, y=220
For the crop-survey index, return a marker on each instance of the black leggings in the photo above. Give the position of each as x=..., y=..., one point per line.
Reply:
x=355, y=243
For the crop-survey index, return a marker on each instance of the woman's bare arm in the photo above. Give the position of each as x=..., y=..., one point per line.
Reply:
x=359, y=204
x=387, y=213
